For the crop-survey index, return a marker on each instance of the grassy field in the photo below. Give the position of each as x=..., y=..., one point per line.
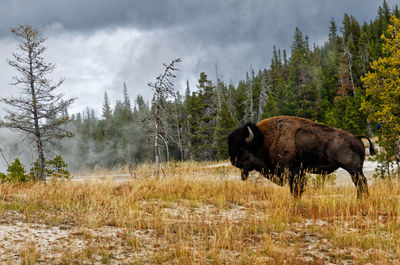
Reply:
x=196, y=214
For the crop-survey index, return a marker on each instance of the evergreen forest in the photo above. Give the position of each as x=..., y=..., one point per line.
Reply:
x=321, y=83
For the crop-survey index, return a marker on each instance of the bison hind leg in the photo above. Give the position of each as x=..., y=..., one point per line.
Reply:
x=360, y=181
x=362, y=186
x=354, y=164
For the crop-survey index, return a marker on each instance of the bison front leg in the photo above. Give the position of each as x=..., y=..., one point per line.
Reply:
x=244, y=174
x=297, y=183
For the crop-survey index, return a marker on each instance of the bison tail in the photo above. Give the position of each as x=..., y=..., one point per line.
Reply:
x=371, y=146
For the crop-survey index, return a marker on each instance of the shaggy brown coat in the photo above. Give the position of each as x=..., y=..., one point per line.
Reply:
x=285, y=147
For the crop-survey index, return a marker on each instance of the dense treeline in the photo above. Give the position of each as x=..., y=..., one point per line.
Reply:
x=319, y=83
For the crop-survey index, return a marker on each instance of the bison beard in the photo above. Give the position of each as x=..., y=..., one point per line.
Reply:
x=285, y=148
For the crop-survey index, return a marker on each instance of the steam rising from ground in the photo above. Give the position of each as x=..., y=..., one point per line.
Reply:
x=15, y=145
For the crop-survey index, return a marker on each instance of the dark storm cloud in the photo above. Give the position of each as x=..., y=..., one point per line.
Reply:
x=108, y=42
x=208, y=22
x=83, y=15
x=227, y=20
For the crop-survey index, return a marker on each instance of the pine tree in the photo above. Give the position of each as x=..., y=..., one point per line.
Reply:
x=38, y=111
x=106, y=127
x=143, y=150
x=224, y=127
x=127, y=102
x=107, y=112
x=303, y=85
x=187, y=129
x=344, y=112
x=278, y=74
x=396, y=11
x=203, y=111
x=239, y=100
x=126, y=105
x=333, y=37
x=385, y=12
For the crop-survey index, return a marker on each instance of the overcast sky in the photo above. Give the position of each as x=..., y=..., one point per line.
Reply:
x=98, y=45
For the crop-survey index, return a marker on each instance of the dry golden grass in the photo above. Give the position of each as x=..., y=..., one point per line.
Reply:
x=29, y=254
x=201, y=215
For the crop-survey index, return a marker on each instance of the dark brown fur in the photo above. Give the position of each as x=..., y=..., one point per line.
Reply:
x=286, y=147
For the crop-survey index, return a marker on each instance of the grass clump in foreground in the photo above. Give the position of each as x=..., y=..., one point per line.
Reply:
x=192, y=216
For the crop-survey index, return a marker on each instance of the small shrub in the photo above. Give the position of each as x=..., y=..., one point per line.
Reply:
x=15, y=173
x=33, y=172
x=55, y=168
x=3, y=177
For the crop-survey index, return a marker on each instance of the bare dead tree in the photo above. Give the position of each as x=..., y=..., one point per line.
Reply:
x=232, y=102
x=163, y=88
x=218, y=82
x=264, y=94
x=349, y=57
x=251, y=105
x=249, y=102
x=38, y=111
x=364, y=57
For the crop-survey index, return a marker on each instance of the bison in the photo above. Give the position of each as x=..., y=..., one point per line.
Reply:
x=285, y=148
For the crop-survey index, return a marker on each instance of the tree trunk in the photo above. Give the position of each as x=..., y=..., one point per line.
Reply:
x=41, y=161
x=178, y=130
x=39, y=143
x=156, y=151
x=263, y=97
x=350, y=65
x=188, y=141
x=251, y=114
x=166, y=148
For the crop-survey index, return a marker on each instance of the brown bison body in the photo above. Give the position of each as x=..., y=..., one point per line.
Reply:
x=287, y=147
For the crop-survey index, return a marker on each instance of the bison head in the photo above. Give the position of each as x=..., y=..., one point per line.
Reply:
x=243, y=145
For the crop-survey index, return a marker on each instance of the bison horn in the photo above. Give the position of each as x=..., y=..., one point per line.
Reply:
x=251, y=136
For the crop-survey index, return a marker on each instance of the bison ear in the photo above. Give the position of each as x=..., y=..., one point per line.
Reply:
x=251, y=136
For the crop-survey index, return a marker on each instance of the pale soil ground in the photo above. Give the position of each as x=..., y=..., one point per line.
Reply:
x=65, y=244
x=78, y=245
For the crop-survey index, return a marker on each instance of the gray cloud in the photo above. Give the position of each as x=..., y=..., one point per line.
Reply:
x=98, y=45
x=230, y=19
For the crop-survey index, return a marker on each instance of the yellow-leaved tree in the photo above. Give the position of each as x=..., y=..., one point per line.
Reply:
x=382, y=101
